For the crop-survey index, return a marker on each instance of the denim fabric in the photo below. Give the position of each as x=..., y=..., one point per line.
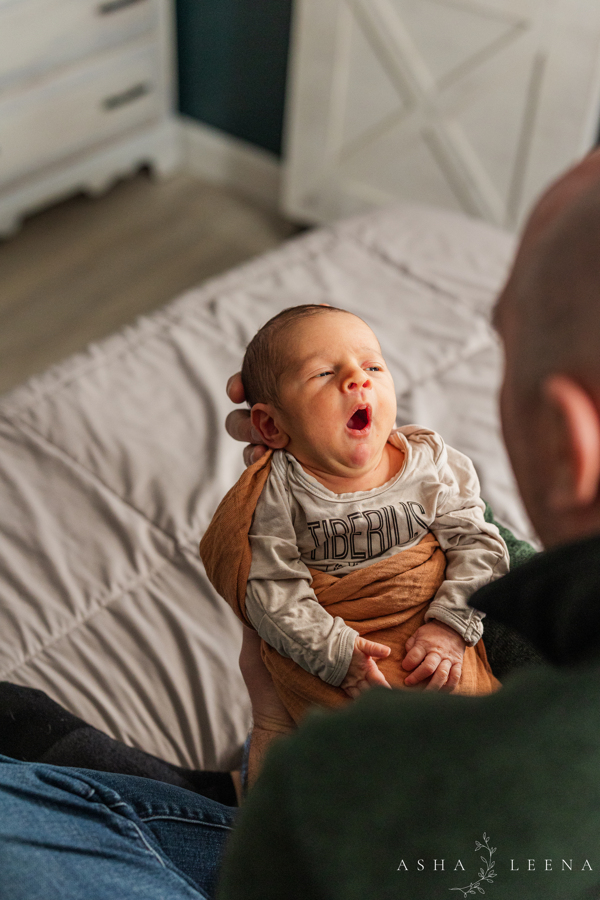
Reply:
x=76, y=834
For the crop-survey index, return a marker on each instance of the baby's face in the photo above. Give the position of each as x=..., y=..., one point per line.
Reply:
x=338, y=403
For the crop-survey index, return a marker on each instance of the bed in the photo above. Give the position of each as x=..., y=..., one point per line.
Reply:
x=112, y=463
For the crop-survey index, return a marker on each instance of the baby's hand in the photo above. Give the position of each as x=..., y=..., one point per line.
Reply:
x=362, y=671
x=438, y=652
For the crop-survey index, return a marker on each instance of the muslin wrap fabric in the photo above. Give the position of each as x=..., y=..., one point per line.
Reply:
x=385, y=601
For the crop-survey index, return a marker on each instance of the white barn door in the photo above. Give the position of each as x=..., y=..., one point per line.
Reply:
x=466, y=104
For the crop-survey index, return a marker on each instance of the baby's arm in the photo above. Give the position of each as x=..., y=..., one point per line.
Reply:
x=475, y=552
x=475, y=555
x=284, y=610
x=362, y=671
x=287, y=615
x=290, y=618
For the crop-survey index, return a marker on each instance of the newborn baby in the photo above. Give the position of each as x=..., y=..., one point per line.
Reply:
x=347, y=490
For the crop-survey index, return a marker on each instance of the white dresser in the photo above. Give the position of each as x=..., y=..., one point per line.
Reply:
x=86, y=95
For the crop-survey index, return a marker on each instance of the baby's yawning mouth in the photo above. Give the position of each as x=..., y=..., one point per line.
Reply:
x=359, y=419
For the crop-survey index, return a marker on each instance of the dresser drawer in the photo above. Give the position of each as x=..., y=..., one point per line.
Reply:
x=36, y=35
x=75, y=111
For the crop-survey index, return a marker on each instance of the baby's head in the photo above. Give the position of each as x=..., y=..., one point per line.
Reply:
x=319, y=387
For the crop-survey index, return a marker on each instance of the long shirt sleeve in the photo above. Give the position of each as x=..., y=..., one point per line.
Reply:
x=280, y=602
x=475, y=551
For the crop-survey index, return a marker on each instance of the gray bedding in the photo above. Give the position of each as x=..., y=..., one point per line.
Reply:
x=112, y=463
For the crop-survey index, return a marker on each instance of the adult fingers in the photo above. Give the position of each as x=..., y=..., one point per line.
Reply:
x=235, y=388
x=267, y=708
x=238, y=425
x=253, y=452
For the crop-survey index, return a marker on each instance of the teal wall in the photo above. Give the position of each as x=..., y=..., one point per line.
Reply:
x=232, y=65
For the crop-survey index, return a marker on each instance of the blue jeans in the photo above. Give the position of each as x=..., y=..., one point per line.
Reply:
x=75, y=834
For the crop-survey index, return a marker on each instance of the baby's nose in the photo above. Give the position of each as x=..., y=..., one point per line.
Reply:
x=357, y=380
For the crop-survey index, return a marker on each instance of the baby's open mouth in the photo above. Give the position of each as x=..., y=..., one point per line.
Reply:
x=359, y=419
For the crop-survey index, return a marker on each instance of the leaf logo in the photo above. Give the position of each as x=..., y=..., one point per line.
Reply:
x=486, y=873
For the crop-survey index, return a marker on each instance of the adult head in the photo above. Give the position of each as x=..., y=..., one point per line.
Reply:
x=548, y=316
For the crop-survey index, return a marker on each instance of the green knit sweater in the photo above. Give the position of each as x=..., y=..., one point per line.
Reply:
x=415, y=796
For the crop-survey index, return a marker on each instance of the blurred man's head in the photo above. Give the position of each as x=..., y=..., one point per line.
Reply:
x=549, y=319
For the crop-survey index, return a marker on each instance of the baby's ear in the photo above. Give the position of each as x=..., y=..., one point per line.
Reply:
x=266, y=421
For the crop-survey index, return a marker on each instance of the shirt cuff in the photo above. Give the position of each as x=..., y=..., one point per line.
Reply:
x=344, y=655
x=469, y=625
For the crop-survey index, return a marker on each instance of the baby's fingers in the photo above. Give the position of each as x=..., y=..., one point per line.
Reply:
x=374, y=676
x=439, y=679
x=415, y=656
x=425, y=670
x=453, y=678
x=371, y=648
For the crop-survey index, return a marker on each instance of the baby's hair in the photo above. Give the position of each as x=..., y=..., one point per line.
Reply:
x=265, y=359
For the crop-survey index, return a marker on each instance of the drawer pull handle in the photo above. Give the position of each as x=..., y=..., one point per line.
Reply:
x=111, y=6
x=128, y=96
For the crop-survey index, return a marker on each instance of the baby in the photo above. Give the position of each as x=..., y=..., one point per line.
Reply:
x=345, y=490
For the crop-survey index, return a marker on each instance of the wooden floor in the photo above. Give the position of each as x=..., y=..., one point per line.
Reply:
x=82, y=269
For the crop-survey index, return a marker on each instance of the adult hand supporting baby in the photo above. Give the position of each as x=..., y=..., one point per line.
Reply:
x=238, y=422
x=270, y=717
x=434, y=651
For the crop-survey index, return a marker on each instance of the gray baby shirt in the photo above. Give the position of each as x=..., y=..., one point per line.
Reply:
x=298, y=523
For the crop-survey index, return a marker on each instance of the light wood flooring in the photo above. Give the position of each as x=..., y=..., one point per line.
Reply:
x=82, y=269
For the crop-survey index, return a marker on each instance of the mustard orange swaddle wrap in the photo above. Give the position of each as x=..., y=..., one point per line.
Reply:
x=385, y=601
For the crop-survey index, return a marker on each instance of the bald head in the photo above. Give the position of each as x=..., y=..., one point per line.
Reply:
x=560, y=196
x=549, y=319
x=553, y=293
